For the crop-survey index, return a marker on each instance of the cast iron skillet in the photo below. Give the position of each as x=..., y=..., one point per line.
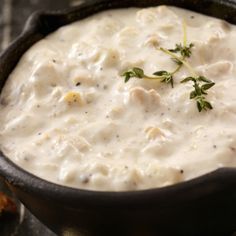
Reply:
x=202, y=206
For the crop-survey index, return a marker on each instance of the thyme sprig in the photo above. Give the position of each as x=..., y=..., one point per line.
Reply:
x=200, y=84
x=185, y=51
x=179, y=54
x=163, y=76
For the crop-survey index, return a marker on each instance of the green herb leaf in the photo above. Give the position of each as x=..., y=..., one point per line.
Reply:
x=204, y=79
x=161, y=73
x=133, y=73
x=199, y=91
x=177, y=61
x=185, y=51
x=193, y=95
x=208, y=105
x=202, y=104
x=166, y=77
x=199, y=106
x=207, y=86
x=138, y=72
x=187, y=79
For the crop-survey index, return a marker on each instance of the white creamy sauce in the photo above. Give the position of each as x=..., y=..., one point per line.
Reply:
x=67, y=116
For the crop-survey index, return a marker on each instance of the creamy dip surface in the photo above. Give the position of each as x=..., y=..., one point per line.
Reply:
x=67, y=116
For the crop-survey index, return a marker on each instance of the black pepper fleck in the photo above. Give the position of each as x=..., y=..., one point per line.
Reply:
x=78, y=84
x=26, y=159
x=85, y=179
x=181, y=171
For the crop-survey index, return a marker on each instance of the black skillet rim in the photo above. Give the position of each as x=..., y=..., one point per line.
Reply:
x=16, y=176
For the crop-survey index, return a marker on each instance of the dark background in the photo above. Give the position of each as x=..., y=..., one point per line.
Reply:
x=13, y=15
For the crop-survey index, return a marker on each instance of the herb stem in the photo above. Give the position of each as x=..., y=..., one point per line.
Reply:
x=187, y=65
x=177, y=69
x=153, y=78
x=184, y=25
